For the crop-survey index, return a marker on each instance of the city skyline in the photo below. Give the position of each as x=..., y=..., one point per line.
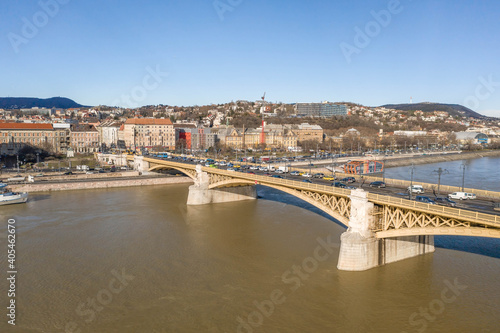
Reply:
x=179, y=53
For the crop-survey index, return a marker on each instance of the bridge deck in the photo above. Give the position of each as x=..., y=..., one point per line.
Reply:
x=459, y=217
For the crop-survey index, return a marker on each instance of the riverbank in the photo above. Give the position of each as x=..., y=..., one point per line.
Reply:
x=428, y=159
x=99, y=183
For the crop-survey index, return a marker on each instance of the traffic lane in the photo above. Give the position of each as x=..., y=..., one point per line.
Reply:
x=478, y=205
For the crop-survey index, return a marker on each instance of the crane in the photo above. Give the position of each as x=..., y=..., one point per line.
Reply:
x=262, y=135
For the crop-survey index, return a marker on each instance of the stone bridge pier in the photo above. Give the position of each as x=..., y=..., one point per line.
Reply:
x=141, y=165
x=360, y=249
x=201, y=194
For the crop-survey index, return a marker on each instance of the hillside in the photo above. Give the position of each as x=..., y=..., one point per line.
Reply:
x=29, y=102
x=452, y=109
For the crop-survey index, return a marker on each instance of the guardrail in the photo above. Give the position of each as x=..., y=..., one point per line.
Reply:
x=493, y=220
x=427, y=186
x=477, y=217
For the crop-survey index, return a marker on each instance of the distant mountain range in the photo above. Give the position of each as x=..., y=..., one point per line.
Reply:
x=29, y=102
x=452, y=109
x=66, y=103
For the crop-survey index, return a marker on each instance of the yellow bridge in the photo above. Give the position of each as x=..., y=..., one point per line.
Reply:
x=393, y=217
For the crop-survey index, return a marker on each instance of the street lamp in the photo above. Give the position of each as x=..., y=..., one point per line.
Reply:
x=440, y=171
x=463, y=166
x=412, y=168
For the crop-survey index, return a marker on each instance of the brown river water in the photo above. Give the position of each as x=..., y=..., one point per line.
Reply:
x=140, y=260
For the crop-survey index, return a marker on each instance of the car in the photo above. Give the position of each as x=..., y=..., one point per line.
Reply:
x=295, y=173
x=330, y=178
x=277, y=176
x=230, y=169
x=348, y=180
x=350, y=187
x=338, y=184
x=254, y=167
x=123, y=168
x=416, y=189
x=279, y=171
x=471, y=196
x=102, y=171
x=458, y=195
x=424, y=199
x=307, y=181
x=89, y=172
x=307, y=175
x=251, y=172
x=378, y=184
x=68, y=173
x=445, y=202
x=319, y=175
x=222, y=163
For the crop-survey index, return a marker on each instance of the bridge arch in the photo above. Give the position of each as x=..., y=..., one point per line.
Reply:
x=190, y=173
x=336, y=207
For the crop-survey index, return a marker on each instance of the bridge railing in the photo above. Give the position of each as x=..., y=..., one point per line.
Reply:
x=450, y=211
x=493, y=220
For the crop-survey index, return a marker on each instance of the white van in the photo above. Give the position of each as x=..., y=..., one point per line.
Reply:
x=470, y=195
x=458, y=195
x=416, y=189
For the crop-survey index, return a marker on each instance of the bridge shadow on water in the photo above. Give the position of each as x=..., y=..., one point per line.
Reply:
x=479, y=245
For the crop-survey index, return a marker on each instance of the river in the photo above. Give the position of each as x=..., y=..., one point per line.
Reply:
x=140, y=260
x=481, y=173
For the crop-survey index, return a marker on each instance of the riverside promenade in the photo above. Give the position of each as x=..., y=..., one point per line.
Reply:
x=96, y=181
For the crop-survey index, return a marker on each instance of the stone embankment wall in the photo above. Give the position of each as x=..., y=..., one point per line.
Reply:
x=427, y=159
x=96, y=184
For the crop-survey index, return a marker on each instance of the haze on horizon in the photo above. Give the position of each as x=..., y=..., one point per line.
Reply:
x=202, y=52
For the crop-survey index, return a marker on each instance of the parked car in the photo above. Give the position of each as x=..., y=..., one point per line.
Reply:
x=416, y=189
x=458, y=195
x=421, y=198
x=378, y=184
x=348, y=179
x=445, y=202
x=338, y=184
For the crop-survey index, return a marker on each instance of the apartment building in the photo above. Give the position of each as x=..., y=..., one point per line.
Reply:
x=148, y=133
x=16, y=136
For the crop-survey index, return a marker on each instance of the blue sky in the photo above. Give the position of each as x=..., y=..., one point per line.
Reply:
x=100, y=52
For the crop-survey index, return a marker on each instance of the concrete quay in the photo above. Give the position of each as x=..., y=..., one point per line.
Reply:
x=87, y=184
